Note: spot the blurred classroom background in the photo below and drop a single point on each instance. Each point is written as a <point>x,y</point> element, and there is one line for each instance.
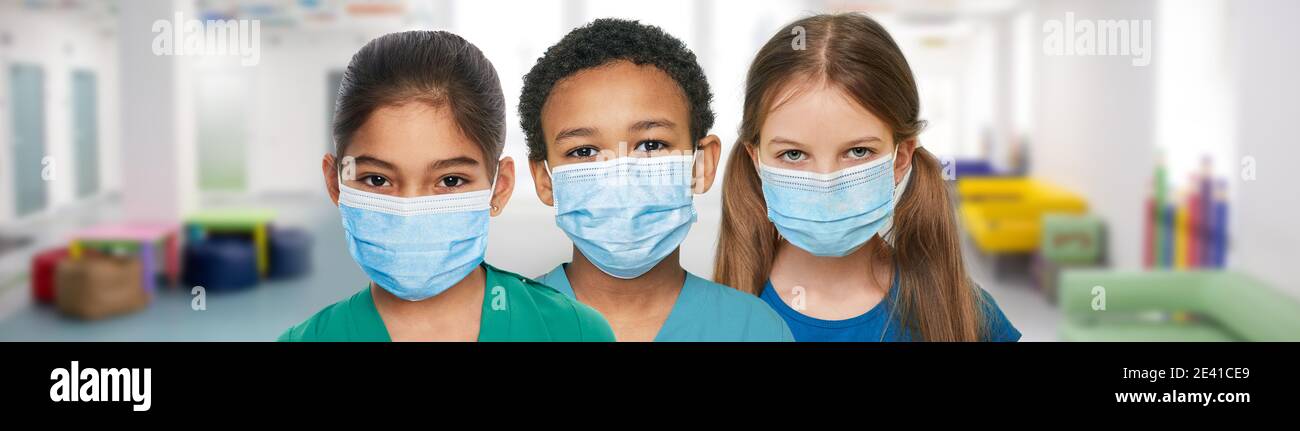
<point>1143,192</point>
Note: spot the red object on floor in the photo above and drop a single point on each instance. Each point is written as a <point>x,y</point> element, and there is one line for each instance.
<point>43,267</point>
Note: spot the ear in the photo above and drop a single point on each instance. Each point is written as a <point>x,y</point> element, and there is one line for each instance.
<point>752,151</point>
<point>330,170</point>
<point>505,185</point>
<point>542,181</point>
<point>904,160</point>
<point>705,171</point>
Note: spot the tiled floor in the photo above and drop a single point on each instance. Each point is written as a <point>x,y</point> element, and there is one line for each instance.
<point>1023,305</point>
<point>263,312</point>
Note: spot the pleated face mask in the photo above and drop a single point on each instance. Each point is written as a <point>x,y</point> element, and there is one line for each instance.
<point>831,214</point>
<point>625,215</point>
<point>415,247</point>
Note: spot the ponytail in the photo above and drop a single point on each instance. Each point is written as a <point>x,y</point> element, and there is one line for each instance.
<point>937,301</point>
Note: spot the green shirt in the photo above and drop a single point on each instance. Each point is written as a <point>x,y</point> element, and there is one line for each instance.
<point>515,308</point>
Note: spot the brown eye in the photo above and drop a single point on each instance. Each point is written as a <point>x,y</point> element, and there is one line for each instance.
<point>453,182</point>
<point>375,181</point>
<point>583,152</point>
<point>651,146</point>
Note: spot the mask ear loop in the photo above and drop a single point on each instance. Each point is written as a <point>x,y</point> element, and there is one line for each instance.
<point>551,175</point>
<point>492,186</point>
<point>695,158</point>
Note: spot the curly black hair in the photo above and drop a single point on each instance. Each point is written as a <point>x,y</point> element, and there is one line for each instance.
<point>603,41</point>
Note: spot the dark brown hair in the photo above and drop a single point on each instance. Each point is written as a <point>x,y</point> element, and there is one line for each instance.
<point>433,67</point>
<point>936,299</point>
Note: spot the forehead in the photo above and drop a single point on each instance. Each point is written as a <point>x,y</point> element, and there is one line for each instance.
<point>412,133</point>
<point>613,95</point>
<point>817,112</point>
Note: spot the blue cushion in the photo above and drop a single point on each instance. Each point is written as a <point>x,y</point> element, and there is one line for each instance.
<point>221,263</point>
<point>290,250</point>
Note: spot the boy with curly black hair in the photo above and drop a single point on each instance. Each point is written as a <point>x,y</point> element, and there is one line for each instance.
<point>617,117</point>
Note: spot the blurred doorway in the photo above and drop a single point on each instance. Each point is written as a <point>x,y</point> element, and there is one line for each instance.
<point>27,85</point>
<point>222,132</point>
<point>85,131</point>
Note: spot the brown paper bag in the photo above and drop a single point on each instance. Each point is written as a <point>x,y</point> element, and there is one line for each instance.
<point>96,286</point>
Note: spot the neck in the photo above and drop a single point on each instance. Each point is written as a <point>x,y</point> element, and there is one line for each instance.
<point>869,265</point>
<point>611,294</point>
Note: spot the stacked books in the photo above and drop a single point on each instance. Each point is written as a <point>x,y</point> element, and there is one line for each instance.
<point>1186,228</point>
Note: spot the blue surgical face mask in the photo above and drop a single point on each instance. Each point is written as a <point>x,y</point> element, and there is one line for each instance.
<point>415,247</point>
<point>831,214</point>
<point>625,215</point>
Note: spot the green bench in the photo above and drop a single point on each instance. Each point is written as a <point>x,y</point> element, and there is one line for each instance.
<point>1206,305</point>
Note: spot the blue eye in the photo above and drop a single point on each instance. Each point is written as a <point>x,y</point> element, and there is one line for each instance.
<point>582,152</point>
<point>792,155</point>
<point>859,152</point>
<point>651,146</point>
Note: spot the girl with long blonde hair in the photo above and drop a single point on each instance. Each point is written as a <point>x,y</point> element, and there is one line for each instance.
<point>832,211</point>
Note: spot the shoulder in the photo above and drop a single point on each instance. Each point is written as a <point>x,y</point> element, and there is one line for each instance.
<point>565,318</point>
<point>557,280</point>
<point>762,323</point>
<point>335,322</point>
<point>996,324</point>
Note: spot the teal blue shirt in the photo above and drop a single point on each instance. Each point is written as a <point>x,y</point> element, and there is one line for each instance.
<point>705,311</point>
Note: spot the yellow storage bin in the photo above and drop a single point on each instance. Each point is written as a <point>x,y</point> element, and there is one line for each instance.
<point>1004,214</point>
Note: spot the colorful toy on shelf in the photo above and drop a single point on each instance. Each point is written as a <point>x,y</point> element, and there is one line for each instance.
<point>1186,229</point>
<point>251,222</point>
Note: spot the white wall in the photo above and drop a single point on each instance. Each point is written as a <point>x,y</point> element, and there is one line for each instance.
<point>287,105</point>
<point>1193,89</point>
<point>1264,229</point>
<point>940,58</point>
<point>980,87</point>
<point>60,42</point>
<point>158,116</point>
<point>1094,126</point>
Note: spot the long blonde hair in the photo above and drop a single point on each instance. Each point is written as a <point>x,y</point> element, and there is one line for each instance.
<point>936,299</point>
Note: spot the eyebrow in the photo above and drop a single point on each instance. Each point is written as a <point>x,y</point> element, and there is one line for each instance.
<point>644,125</point>
<point>452,162</point>
<point>638,126</point>
<point>574,133</point>
<point>862,140</point>
<point>435,165</point>
<point>373,161</point>
<point>780,140</point>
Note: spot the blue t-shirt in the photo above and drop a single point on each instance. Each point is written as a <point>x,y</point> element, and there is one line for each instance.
<point>877,324</point>
<point>705,311</point>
